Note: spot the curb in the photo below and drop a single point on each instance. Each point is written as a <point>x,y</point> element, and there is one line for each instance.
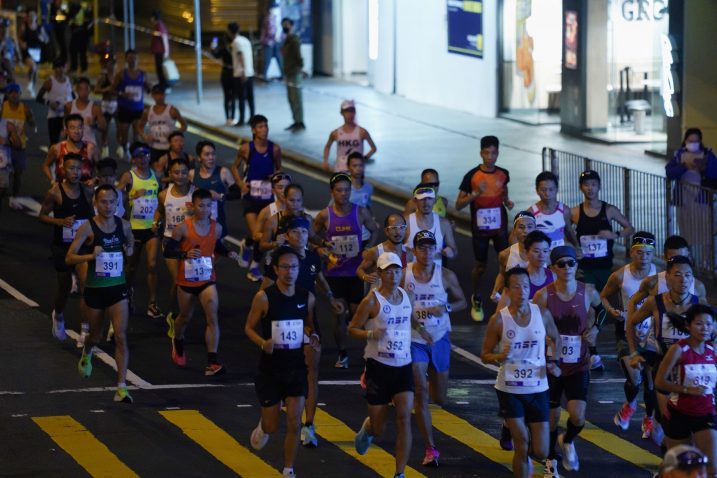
<point>462,219</point>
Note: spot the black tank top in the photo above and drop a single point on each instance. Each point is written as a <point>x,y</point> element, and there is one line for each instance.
<point>284,307</point>
<point>80,208</point>
<point>110,242</point>
<point>590,226</point>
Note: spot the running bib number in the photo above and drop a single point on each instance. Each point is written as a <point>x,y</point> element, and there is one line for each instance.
<point>396,344</point>
<point>670,334</point>
<point>642,329</point>
<point>422,315</point>
<point>570,348</point>
<point>521,374</point>
<point>68,233</point>
<point>109,264</point>
<point>260,189</point>
<point>159,132</point>
<point>175,216</point>
<point>133,92</point>
<point>199,269</point>
<point>593,246</point>
<point>35,54</point>
<point>109,106</point>
<point>144,207</point>
<point>346,246</point>
<point>703,374</point>
<point>488,219</point>
<point>556,243</point>
<point>287,334</point>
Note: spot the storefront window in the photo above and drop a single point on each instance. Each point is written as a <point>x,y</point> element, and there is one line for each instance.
<point>531,55</point>
<point>635,66</point>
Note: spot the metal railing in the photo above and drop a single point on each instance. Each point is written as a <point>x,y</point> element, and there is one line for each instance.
<point>650,202</point>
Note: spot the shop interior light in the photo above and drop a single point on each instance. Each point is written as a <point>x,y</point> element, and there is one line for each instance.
<point>373,29</point>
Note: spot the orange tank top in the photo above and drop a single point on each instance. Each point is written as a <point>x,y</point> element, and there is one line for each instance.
<point>197,272</point>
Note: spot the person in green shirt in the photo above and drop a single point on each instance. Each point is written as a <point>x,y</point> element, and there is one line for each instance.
<point>293,64</point>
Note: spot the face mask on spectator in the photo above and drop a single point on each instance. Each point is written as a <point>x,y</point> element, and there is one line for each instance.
<point>692,146</point>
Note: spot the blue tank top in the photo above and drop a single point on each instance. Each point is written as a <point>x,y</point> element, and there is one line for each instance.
<point>260,167</point>
<point>345,233</point>
<point>133,99</point>
<point>214,183</point>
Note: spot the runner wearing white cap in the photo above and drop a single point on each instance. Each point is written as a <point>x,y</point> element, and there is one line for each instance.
<point>349,138</point>
<point>426,219</point>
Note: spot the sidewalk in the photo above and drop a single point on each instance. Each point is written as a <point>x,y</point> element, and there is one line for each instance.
<point>410,136</point>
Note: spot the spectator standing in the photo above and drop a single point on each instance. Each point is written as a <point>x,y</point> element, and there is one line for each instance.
<point>293,64</point>
<point>221,51</point>
<point>32,38</point>
<point>243,65</point>
<point>694,165</point>
<point>159,47</point>
<point>269,41</point>
<point>58,20</point>
<point>80,16</point>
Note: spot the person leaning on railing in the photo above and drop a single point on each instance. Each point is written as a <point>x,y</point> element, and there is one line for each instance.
<point>693,162</point>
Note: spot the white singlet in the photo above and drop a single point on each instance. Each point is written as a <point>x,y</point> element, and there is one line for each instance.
<point>425,295</point>
<point>347,143</point>
<point>394,348</point>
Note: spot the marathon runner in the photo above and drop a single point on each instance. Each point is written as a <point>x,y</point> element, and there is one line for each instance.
<point>394,227</point>
<point>109,97</point>
<point>340,225</point>
<point>522,333</point>
<point>70,203</point>
<point>429,178</point>
<point>537,245</point>
<point>176,151</point>
<point>383,319</point>
<point>279,181</point>
<point>593,228</point>
<point>90,111</point>
<point>75,144</point>
<point>424,218</point>
<point>55,92</point>
<point>130,84</point>
<point>110,241</point>
<point>516,255</point>
<point>142,189</point>
<point>429,286</point>
<point>284,315</point>
<point>18,117</point>
<point>551,215</point>
<point>174,205</point>
<point>256,161</point>
<point>626,281</point>
<point>568,301</point>
<point>485,188</point>
<point>689,374</point>
<point>296,230</point>
<point>650,333</point>
<point>107,174</point>
<point>272,235</point>
<point>194,243</point>
<point>161,118</point>
<point>349,138</point>
<point>361,190</point>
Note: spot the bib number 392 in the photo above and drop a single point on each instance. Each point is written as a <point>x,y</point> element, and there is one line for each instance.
<point>522,374</point>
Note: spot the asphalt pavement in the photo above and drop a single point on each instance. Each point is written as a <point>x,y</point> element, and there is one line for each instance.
<point>183,424</point>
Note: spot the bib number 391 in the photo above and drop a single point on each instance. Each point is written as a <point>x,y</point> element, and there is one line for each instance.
<point>109,264</point>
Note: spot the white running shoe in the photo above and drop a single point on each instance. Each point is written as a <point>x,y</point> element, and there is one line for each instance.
<point>570,456</point>
<point>258,437</point>
<point>551,469</point>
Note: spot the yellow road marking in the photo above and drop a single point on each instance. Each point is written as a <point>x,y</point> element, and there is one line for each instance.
<point>83,447</point>
<point>616,445</point>
<point>475,438</point>
<point>341,436</point>
<point>219,444</point>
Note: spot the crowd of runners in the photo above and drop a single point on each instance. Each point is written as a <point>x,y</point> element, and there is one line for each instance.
<point>389,286</point>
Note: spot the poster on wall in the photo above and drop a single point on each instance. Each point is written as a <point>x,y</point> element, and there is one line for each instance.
<point>571,39</point>
<point>300,12</point>
<point>465,27</point>
<point>524,43</point>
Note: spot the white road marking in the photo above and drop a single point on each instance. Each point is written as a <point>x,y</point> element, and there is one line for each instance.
<point>17,295</point>
<point>474,358</point>
<point>244,405</point>
<point>97,411</point>
<point>462,403</point>
<point>8,392</point>
<point>18,415</point>
<point>172,408</point>
<point>100,354</point>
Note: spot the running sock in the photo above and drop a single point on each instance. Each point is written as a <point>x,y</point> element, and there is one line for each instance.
<point>593,350</point>
<point>631,392</point>
<point>287,470</point>
<point>650,401</point>
<point>572,432</point>
<point>553,440</point>
<point>179,346</point>
<point>212,357</point>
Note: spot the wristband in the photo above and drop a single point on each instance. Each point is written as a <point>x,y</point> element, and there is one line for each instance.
<point>262,344</point>
<point>369,335</point>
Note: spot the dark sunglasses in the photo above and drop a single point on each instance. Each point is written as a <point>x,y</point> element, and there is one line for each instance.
<point>645,241</point>
<point>688,459</point>
<point>280,177</point>
<point>568,263</point>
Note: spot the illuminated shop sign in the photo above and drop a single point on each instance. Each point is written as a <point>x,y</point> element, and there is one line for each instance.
<point>670,83</point>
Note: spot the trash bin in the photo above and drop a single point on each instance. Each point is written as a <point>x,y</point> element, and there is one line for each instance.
<point>638,110</point>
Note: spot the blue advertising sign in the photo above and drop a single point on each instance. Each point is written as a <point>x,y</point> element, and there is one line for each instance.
<point>465,27</point>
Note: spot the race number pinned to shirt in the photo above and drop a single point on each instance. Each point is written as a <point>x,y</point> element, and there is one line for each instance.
<point>669,333</point>
<point>488,219</point>
<point>700,375</point>
<point>346,246</point>
<point>522,373</point>
<point>260,189</point>
<point>570,348</point>
<point>287,334</point>
<point>423,316</point>
<point>133,92</point>
<point>144,207</point>
<point>593,246</point>
<point>198,269</point>
<point>68,233</point>
<point>109,264</point>
<point>395,343</point>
